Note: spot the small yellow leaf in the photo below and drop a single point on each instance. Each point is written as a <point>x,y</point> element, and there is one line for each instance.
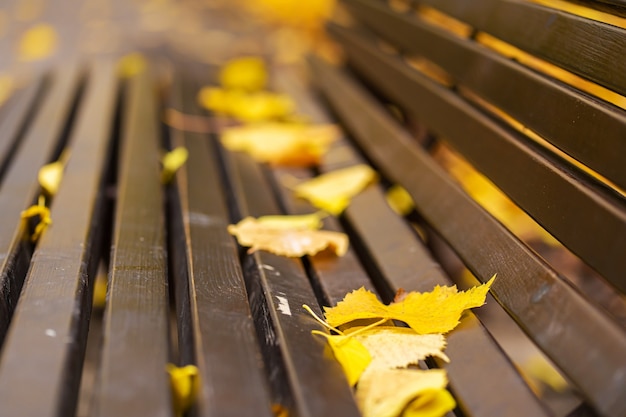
<point>100,291</point>
<point>246,73</point>
<point>350,353</point>
<point>50,177</point>
<point>398,347</point>
<point>333,191</point>
<point>438,311</point>
<point>38,42</point>
<point>389,392</point>
<point>400,200</point>
<point>172,161</point>
<point>39,210</point>
<point>248,107</point>
<point>184,385</point>
<point>131,64</point>
<point>281,144</point>
<point>285,241</point>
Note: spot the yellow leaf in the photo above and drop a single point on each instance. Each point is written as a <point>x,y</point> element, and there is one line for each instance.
<point>389,392</point>
<point>398,347</point>
<point>281,144</point>
<point>100,291</point>
<point>172,161</point>
<point>333,191</point>
<point>50,176</point>
<point>248,107</point>
<point>42,212</point>
<point>437,311</point>
<point>284,241</point>
<point>184,385</point>
<point>350,353</point>
<point>131,64</point>
<point>539,369</point>
<point>400,200</point>
<point>38,42</point>
<point>246,73</point>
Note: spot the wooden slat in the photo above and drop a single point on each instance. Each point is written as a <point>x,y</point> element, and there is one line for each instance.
<point>19,186</point>
<point>597,137</point>
<point>397,259</point>
<point>135,352</point>
<point>224,341</point>
<point>18,111</point>
<point>555,316</point>
<point>313,383</point>
<point>553,193</point>
<point>591,49</point>
<point>45,346</point>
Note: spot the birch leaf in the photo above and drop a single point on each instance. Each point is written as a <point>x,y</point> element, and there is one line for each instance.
<point>292,242</point>
<point>398,347</point>
<point>311,221</point>
<point>396,392</point>
<point>437,311</point>
<point>246,73</point>
<point>400,200</point>
<point>333,191</point>
<point>281,144</point>
<point>38,42</point>
<point>353,357</point>
<point>172,161</point>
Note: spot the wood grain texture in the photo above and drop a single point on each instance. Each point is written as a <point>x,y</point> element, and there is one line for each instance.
<point>45,347</point>
<point>19,186</point>
<point>396,259</point>
<point>585,128</point>
<point>133,380</point>
<point>556,317</point>
<point>591,49</point>
<point>556,195</point>
<point>225,345</point>
<point>278,287</point>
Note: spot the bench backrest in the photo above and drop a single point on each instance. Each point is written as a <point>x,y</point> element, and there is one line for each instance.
<point>547,127</point>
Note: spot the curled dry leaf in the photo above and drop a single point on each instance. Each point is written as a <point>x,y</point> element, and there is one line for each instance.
<point>404,392</point>
<point>40,211</point>
<point>281,240</point>
<point>248,107</point>
<point>333,191</point>
<point>281,143</point>
<point>437,311</point>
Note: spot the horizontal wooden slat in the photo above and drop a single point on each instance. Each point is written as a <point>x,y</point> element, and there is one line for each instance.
<point>223,337</point>
<point>45,346</point>
<point>554,194</point>
<point>591,49</point>
<point>132,378</point>
<point>313,381</point>
<point>590,131</point>
<point>19,186</point>
<point>555,316</point>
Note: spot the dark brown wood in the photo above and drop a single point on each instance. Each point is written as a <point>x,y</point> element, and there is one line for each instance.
<point>312,383</point>
<point>588,130</point>
<point>396,258</point>
<point>17,112</point>
<point>555,316</point>
<point>45,346</point>
<point>19,186</point>
<point>589,48</point>
<point>224,341</point>
<point>133,380</point>
<point>555,194</point>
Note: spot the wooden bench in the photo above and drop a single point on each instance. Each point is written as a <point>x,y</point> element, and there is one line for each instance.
<point>181,291</point>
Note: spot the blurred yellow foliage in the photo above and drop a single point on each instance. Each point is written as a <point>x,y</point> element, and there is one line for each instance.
<point>246,73</point>
<point>247,107</point>
<point>38,42</point>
